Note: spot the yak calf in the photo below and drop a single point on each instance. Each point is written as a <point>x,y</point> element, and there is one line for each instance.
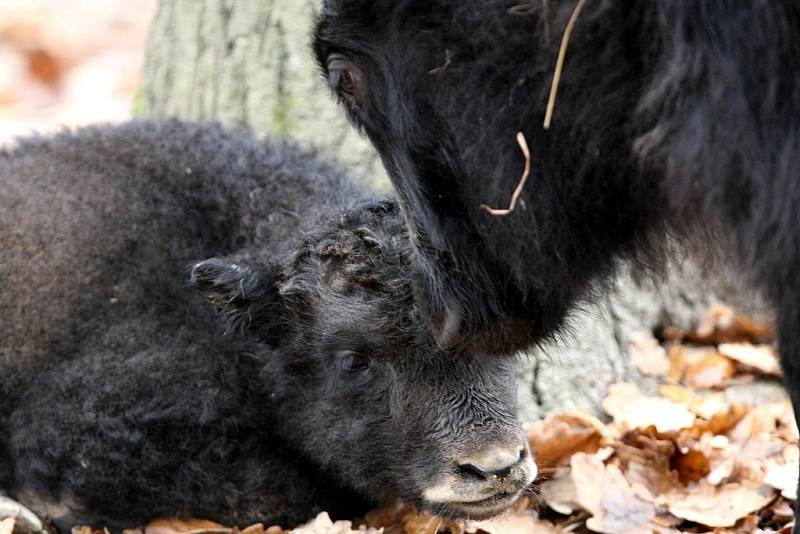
<point>310,384</point>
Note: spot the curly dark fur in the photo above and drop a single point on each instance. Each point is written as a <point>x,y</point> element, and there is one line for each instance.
<point>672,115</point>
<point>310,383</point>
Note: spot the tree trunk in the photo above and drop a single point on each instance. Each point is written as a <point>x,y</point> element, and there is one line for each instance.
<point>247,62</point>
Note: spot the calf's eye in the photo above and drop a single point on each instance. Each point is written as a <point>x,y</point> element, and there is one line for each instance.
<point>346,79</point>
<point>351,361</point>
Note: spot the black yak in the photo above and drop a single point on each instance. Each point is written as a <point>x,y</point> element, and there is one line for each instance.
<point>672,116</point>
<point>308,383</point>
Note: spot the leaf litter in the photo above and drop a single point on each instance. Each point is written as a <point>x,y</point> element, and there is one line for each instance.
<point>687,460</point>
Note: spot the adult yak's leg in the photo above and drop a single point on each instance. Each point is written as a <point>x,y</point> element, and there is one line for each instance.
<point>789,346</point>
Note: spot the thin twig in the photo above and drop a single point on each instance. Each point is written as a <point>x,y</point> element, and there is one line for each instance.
<point>447,60</point>
<point>562,52</point>
<point>523,145</point>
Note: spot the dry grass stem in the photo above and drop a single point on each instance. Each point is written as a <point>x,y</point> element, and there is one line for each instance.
<point>562,52</point>
<point>523,145</point>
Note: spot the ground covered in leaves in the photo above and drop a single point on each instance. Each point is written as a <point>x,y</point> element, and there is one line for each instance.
<point>688,459</point>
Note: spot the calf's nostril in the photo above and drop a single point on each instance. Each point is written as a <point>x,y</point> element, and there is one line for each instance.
<point>495,462</point>
<point>474,471</point>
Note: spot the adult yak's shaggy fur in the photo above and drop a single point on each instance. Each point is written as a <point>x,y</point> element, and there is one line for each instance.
<point>121,396</point>
<point>672,115</point>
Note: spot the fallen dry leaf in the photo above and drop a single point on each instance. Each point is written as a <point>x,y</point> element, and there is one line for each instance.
<point>322,524</point>
<point>559,493</point>
<point>706,406</point>
<point>647,354</point>
<point>760,357</point>
<point>718,317</point>
<point>646,461</point>
<point>721,324</point>
<point>722,472</point>
<point>710,371</point>
<point>516,524</point>
<point>692,466</point>
<point>676,364</point>
<point>257,528</point>
<point>588,474</point>
<point>386,516</point>
<point>603,491</point>
<point>684,357</point>
<point>558,437</point>
<point>746,525</point>
<point>621,510</point>
<point>717,506</point>
<point>421,523</point>
<point>175,525</point>
<point>783,475</point>
<point>630,410</point>
<point>781,508</point>
<point>761,419</point>
<point>787,426</point>
<point>44,66</point>
<point>718,423</point>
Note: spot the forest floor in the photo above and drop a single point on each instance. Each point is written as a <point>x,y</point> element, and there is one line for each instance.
<point>693,459</point>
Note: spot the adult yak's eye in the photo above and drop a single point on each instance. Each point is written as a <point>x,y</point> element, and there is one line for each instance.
<point>351,361</point>
<point>346,79</point>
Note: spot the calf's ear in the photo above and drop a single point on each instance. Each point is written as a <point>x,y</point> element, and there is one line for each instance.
<point>246,295</point>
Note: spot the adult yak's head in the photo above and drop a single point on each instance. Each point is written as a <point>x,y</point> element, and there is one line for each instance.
<point>441,88</point>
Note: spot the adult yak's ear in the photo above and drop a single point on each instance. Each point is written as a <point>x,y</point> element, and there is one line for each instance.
<point>246,295</point>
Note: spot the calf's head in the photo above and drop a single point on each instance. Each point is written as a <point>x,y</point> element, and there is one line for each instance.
<point>358,383</point>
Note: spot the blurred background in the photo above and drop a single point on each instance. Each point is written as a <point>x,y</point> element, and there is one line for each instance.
<point>69,62</point>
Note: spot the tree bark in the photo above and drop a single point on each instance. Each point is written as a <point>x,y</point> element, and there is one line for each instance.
<point>248,63</point>
<point>576,370</point>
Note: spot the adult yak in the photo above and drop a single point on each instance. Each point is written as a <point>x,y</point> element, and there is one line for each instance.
<point>672,116</point>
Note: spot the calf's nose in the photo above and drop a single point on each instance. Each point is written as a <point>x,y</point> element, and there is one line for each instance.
<point>497,460</point>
